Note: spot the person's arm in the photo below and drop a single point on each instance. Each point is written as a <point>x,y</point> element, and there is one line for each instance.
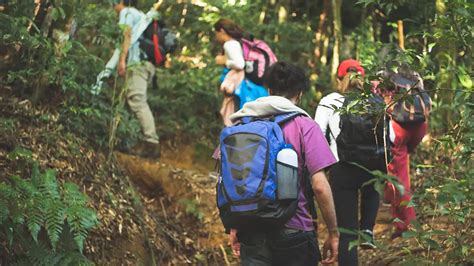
<point>323,195</point>
<point>234,54</point>
<point>122,66</point>
<point>323,112</point>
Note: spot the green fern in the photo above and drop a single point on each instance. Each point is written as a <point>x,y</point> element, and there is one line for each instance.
<point>29,205</point>
<point>80,218</point>
<point>34,221</point>
<point>49,186</point>
<point>3,211</point>
<point>36,175</point>
<point>54,214</point>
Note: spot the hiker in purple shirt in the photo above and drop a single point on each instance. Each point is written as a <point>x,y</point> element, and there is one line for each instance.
<point>296,243</point>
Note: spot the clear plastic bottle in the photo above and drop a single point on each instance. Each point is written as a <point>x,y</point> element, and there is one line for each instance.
<point>287,173</point>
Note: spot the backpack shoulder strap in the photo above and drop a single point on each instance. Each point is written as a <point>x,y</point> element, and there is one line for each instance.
<point>307,189</point>
<point>285,117</point>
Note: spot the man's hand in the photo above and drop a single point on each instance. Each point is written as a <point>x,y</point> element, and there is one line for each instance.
<point>122,68</point>
<point>234,243</point>
<point>323,194</point>
<point>221,59</point>
<point>331,246</point>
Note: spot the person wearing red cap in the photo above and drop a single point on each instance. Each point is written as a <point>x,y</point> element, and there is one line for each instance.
<point>347,66</point>
<point>347,179</point>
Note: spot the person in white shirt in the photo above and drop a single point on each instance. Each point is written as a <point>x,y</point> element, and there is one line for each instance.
<point>140,73</point>
<point>228,34</point>
<point>346,179</point>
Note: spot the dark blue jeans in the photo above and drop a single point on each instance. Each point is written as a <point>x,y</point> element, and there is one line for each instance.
<point>285,247</point>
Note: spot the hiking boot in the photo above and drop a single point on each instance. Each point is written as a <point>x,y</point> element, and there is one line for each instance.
<point>368,243</point>
<point>146,149</point>
<point>151,150</point>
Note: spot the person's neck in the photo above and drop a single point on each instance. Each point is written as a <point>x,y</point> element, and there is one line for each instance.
<point>294,100</point>
<point>228,38</point>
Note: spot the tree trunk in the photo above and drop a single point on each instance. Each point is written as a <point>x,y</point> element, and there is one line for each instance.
<point>401,35</point>
<point>321,35</point>
<point>337,34</point>
<point>445,56</point>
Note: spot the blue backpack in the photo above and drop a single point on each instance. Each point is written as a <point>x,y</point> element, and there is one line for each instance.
<point>247,185</point>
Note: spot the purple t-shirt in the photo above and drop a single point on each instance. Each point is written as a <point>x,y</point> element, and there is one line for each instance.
<point>304,133</point>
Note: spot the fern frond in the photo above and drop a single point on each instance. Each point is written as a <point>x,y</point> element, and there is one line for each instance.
<point>6,192</point>
<point>4,212</point>
<point>36,175</point>
<point>54,214</point>
<point>17,214</point>
<point>81,220</point>
<point>49,185</point>
<point>24,186</point>
<point>39,254</point>
<point>35,220</point>
<point>73,196</point>
<point>21,262</point>
<point>74,258</point>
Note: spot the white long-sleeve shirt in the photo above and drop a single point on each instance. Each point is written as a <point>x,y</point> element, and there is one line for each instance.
<point>235,55</point>
<point>328,119</point>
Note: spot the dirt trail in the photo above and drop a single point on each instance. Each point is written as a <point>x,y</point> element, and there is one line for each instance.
<point>186,197</point>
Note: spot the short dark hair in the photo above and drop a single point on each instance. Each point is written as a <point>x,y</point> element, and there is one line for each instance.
<point>285,79</point>
<point>133,3</point>
<point>230,27</point>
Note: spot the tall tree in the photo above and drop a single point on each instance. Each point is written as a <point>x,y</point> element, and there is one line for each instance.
<point>446,59</point>
<point>337,35</point>
<point>321,34</point>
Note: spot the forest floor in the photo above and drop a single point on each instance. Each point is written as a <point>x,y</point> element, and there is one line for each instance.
<point>197,189</point>
<point>151,212</point>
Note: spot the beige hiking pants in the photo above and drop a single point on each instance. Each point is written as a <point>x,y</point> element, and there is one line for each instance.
<point>139,78</point>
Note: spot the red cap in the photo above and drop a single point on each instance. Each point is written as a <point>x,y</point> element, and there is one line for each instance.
<point>349,65</point>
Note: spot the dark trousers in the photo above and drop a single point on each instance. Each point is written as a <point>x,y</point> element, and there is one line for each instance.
<point>286,247</point>
<point>346,181</point>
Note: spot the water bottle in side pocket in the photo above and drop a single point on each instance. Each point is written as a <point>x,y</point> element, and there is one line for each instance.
<point>287,173</point>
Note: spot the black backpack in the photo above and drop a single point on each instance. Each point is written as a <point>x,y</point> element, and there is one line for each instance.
<point>166,39</point>
<point>364,137</point>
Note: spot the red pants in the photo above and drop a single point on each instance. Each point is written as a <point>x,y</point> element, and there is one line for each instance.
<point>407,137</point>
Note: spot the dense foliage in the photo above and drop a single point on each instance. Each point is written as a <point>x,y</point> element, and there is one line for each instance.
<point>39,64</point>
<point>43,222</point>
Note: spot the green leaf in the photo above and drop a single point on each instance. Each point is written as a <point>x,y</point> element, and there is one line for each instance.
<point>34,222</point>
<point>20,153</point>
<point>399,187</point>
<point>430,47</point>
<point>3,211</point>
<point>54,217</point>
<point>433,244</point>
<point>36,175</point>
<point>352,244</point>
<point>409,234</point>
<point>347,231</point>
<point>465,80</point>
